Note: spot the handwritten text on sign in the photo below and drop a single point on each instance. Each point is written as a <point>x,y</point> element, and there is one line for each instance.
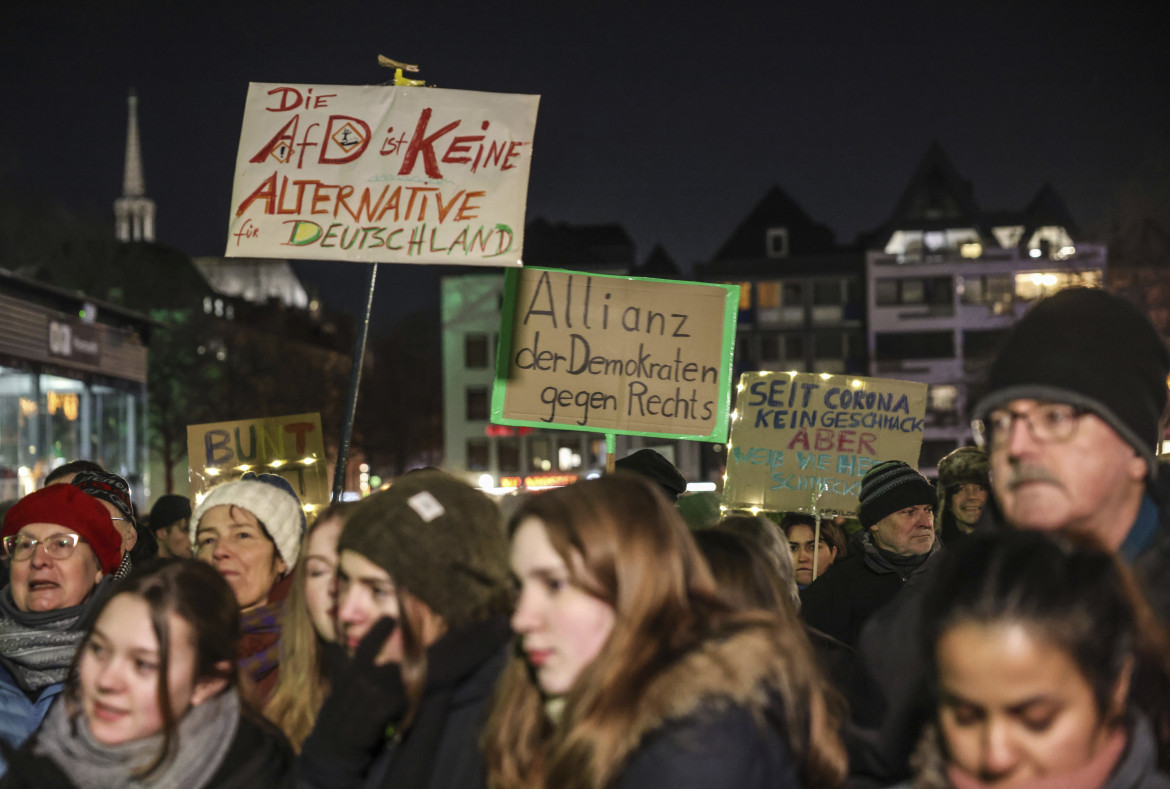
<point>617,354</point>
<point>290,446</point>
<point>382,174</point>
<point>796,433</point>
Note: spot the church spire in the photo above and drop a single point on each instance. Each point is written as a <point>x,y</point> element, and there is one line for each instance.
<point>134,211</point>
<point>133,184</point>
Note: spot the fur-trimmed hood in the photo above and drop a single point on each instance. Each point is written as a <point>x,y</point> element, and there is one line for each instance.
<point>746,668</point>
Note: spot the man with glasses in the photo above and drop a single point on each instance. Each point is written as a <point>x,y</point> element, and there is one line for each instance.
<point>1070,419</point>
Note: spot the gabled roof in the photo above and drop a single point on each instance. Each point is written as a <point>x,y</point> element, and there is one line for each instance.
<point>1047,209</point>
<point>775,210</point>
<point>936,198</point>
<point>561,245</point>
<point>658,264</point>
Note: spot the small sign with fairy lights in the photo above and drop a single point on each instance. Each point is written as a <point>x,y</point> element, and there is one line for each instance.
<point>805,440</point>
<point>291,446</point>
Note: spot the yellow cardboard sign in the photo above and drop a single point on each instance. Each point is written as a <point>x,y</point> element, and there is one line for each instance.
<point>800,436</point>
<point>291,446</point>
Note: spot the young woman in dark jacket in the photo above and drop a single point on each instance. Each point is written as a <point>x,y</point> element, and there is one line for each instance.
<point>422,607</point>
<point>153,699</point>
<point>630,670</point>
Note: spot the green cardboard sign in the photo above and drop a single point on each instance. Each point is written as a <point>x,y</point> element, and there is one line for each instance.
<point>615,354</point>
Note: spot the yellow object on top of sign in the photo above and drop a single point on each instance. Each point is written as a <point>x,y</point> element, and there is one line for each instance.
<point>796,437</point>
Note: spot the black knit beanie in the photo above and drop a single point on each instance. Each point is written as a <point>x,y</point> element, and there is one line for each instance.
<point>653,466</point>
<point>438,538</point>
<point>1092,350</point>
<point>889,487</point>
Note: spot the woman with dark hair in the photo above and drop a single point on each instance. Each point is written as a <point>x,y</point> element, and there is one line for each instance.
<point>631,671</point>
<point>1050,668</point>
<point>422,607</point>
<point>152,699</point>
<point>800,529</point>
<point>250,530</point>
<point>308,626</point>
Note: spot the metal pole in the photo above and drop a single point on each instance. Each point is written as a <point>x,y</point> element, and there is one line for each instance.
<point>359,353</point>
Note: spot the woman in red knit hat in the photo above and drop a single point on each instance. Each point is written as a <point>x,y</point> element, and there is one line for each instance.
<point>60,544</point>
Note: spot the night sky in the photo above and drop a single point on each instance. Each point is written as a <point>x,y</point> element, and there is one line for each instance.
<point>671,118</point>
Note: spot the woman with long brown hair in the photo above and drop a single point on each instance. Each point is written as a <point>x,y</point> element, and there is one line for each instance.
<point>308,627</point>
<point>630,671</point>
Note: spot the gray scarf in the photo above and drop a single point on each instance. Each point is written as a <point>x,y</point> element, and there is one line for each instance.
<point>37,647</point>
<point>202,741</point>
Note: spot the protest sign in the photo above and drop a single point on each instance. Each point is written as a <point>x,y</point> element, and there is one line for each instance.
<point>615,354</point>
<point>793,434</point>
<point>290,446</point>
<point>382,174</point>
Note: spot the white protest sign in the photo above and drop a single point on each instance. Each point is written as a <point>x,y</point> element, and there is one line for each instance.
<point>382,174</point>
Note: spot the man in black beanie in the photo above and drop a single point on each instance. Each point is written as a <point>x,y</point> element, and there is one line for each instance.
<point>897,512</point>
<point>1072,418</point>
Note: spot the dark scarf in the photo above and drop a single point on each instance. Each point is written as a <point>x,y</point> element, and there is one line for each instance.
<point>260,634</point>
<point>204,735</point>
<point>450,661</point>
<point>37,647</point>
<point>882,561</point>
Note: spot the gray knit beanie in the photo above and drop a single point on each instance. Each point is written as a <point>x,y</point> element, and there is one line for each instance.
<point>892,486</point>
<point>438,538</point>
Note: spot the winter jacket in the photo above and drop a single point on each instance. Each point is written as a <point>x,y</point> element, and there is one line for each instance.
<point>259,756</point>
<point>851,590</point>
<point>440,750</point>
<point>20,716</point>
<point>711,720</point>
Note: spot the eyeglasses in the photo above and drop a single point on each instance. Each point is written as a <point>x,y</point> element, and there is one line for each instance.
<point>1047,422</point>
<point>20,547</point>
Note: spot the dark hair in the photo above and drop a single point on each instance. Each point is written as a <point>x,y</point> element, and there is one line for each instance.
<point>831,533</point>
<point>72,467</point>
<point>196,593</point>
<point>745,576</point>
<point>1069,593</point>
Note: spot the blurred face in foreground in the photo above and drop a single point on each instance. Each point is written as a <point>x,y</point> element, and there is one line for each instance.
<point>800,542</point>
<point>119,673</point>
<point>1013,707</point>
<point>562,626</point>
<point>1053,467</point>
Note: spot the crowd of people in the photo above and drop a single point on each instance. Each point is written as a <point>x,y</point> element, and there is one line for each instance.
<point>1003,628</point>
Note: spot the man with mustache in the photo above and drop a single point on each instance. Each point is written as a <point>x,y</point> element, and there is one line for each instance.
<point>1070,419</point>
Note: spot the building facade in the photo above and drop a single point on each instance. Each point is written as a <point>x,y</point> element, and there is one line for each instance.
<point>945,280</point>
